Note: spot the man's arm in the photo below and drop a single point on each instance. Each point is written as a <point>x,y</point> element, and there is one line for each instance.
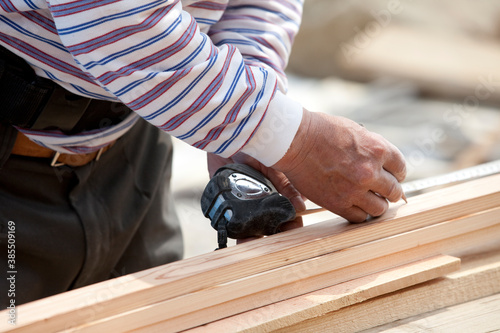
<point>153,57</point>
<point>209,96</point>
<point>263,31</point>
<point>337,164</point>
<point>332,161</point>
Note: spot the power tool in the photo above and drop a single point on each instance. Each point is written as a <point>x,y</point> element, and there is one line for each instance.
<point>240,202</point>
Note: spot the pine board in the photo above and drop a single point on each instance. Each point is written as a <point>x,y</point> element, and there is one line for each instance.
<point>245,294</point>
<point>343,294</point>
<point>478,316</point>
<point>296,310</point>
<point>479,277</point>
<point>181,278</point>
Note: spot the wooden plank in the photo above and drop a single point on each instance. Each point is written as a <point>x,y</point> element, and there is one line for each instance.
<point>479,277</point>
<point>478,316</point>
<point>458,66</point>
<point>292,280</point>
<point>148,287</point>
<point>341,295</point>
<point>292,311</point>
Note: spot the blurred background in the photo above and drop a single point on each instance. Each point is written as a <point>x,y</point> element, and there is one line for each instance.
<point>424,74</point>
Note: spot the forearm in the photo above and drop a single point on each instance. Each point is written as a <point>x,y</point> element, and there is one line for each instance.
<point>172,75</point>
<point>262,30</point>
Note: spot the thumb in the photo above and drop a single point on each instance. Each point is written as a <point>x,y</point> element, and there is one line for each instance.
<point>286,188</point>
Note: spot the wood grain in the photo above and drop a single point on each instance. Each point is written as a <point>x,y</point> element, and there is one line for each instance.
<point>179,279</point>
<point>290,312</point>
<point>478,316</point>
<point>477,278</point>
<point>284,282</point>
<point>338,296</point>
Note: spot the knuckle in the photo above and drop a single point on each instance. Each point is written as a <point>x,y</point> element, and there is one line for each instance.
<point>379,145</point>
<point>339,205</point>
<point>349,196</point>
<point>287,188</point>
<point>283,184</point>
<point>379,151</point>
<point>365,174</point>
<point>379,210</point>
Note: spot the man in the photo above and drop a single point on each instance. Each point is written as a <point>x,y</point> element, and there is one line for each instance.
<point>84,179</point>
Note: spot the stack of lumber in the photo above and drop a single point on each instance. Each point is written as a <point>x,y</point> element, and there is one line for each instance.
<point>328,275</point>
<point>439,63</point>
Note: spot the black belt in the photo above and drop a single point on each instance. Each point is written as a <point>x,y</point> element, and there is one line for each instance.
<point>33,102</point>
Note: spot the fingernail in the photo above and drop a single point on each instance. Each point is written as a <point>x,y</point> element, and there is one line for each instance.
<point>404,198</point>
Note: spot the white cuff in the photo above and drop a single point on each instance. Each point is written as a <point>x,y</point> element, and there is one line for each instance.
<point>276,131</point>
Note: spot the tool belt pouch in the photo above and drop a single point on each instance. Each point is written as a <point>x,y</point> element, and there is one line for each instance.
<point>22,93</point>
<point>32,102</point>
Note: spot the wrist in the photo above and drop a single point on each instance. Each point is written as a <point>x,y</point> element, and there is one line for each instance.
<point>276,132</point>
<point>299,146</point>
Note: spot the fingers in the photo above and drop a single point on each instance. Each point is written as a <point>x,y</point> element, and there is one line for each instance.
<point>373,204</point>
<point>395,163</point>
<point>286,188</point>
<point>354,214</point>
<point>214,162</point>
<point>388,186</point>
<point>370,204</point>
<point>393,171</point>
<point>278,179</point>
<point>297,223</point>
<point>245,240</point>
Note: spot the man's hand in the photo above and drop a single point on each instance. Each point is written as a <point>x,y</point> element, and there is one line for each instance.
<point>343,167</point>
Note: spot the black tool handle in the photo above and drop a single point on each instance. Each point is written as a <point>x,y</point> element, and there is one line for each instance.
<point>248,217</point>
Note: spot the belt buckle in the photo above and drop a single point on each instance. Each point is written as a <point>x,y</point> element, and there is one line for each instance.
<point>54,163</point>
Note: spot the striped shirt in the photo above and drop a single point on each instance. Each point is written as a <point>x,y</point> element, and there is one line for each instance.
<point>209,72</point>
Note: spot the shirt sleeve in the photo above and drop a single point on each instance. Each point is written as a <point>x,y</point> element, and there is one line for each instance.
<point>263,31</point>
<point>217,93</point>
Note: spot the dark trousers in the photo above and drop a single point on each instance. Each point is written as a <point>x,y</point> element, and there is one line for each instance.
<point>78,226</point>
